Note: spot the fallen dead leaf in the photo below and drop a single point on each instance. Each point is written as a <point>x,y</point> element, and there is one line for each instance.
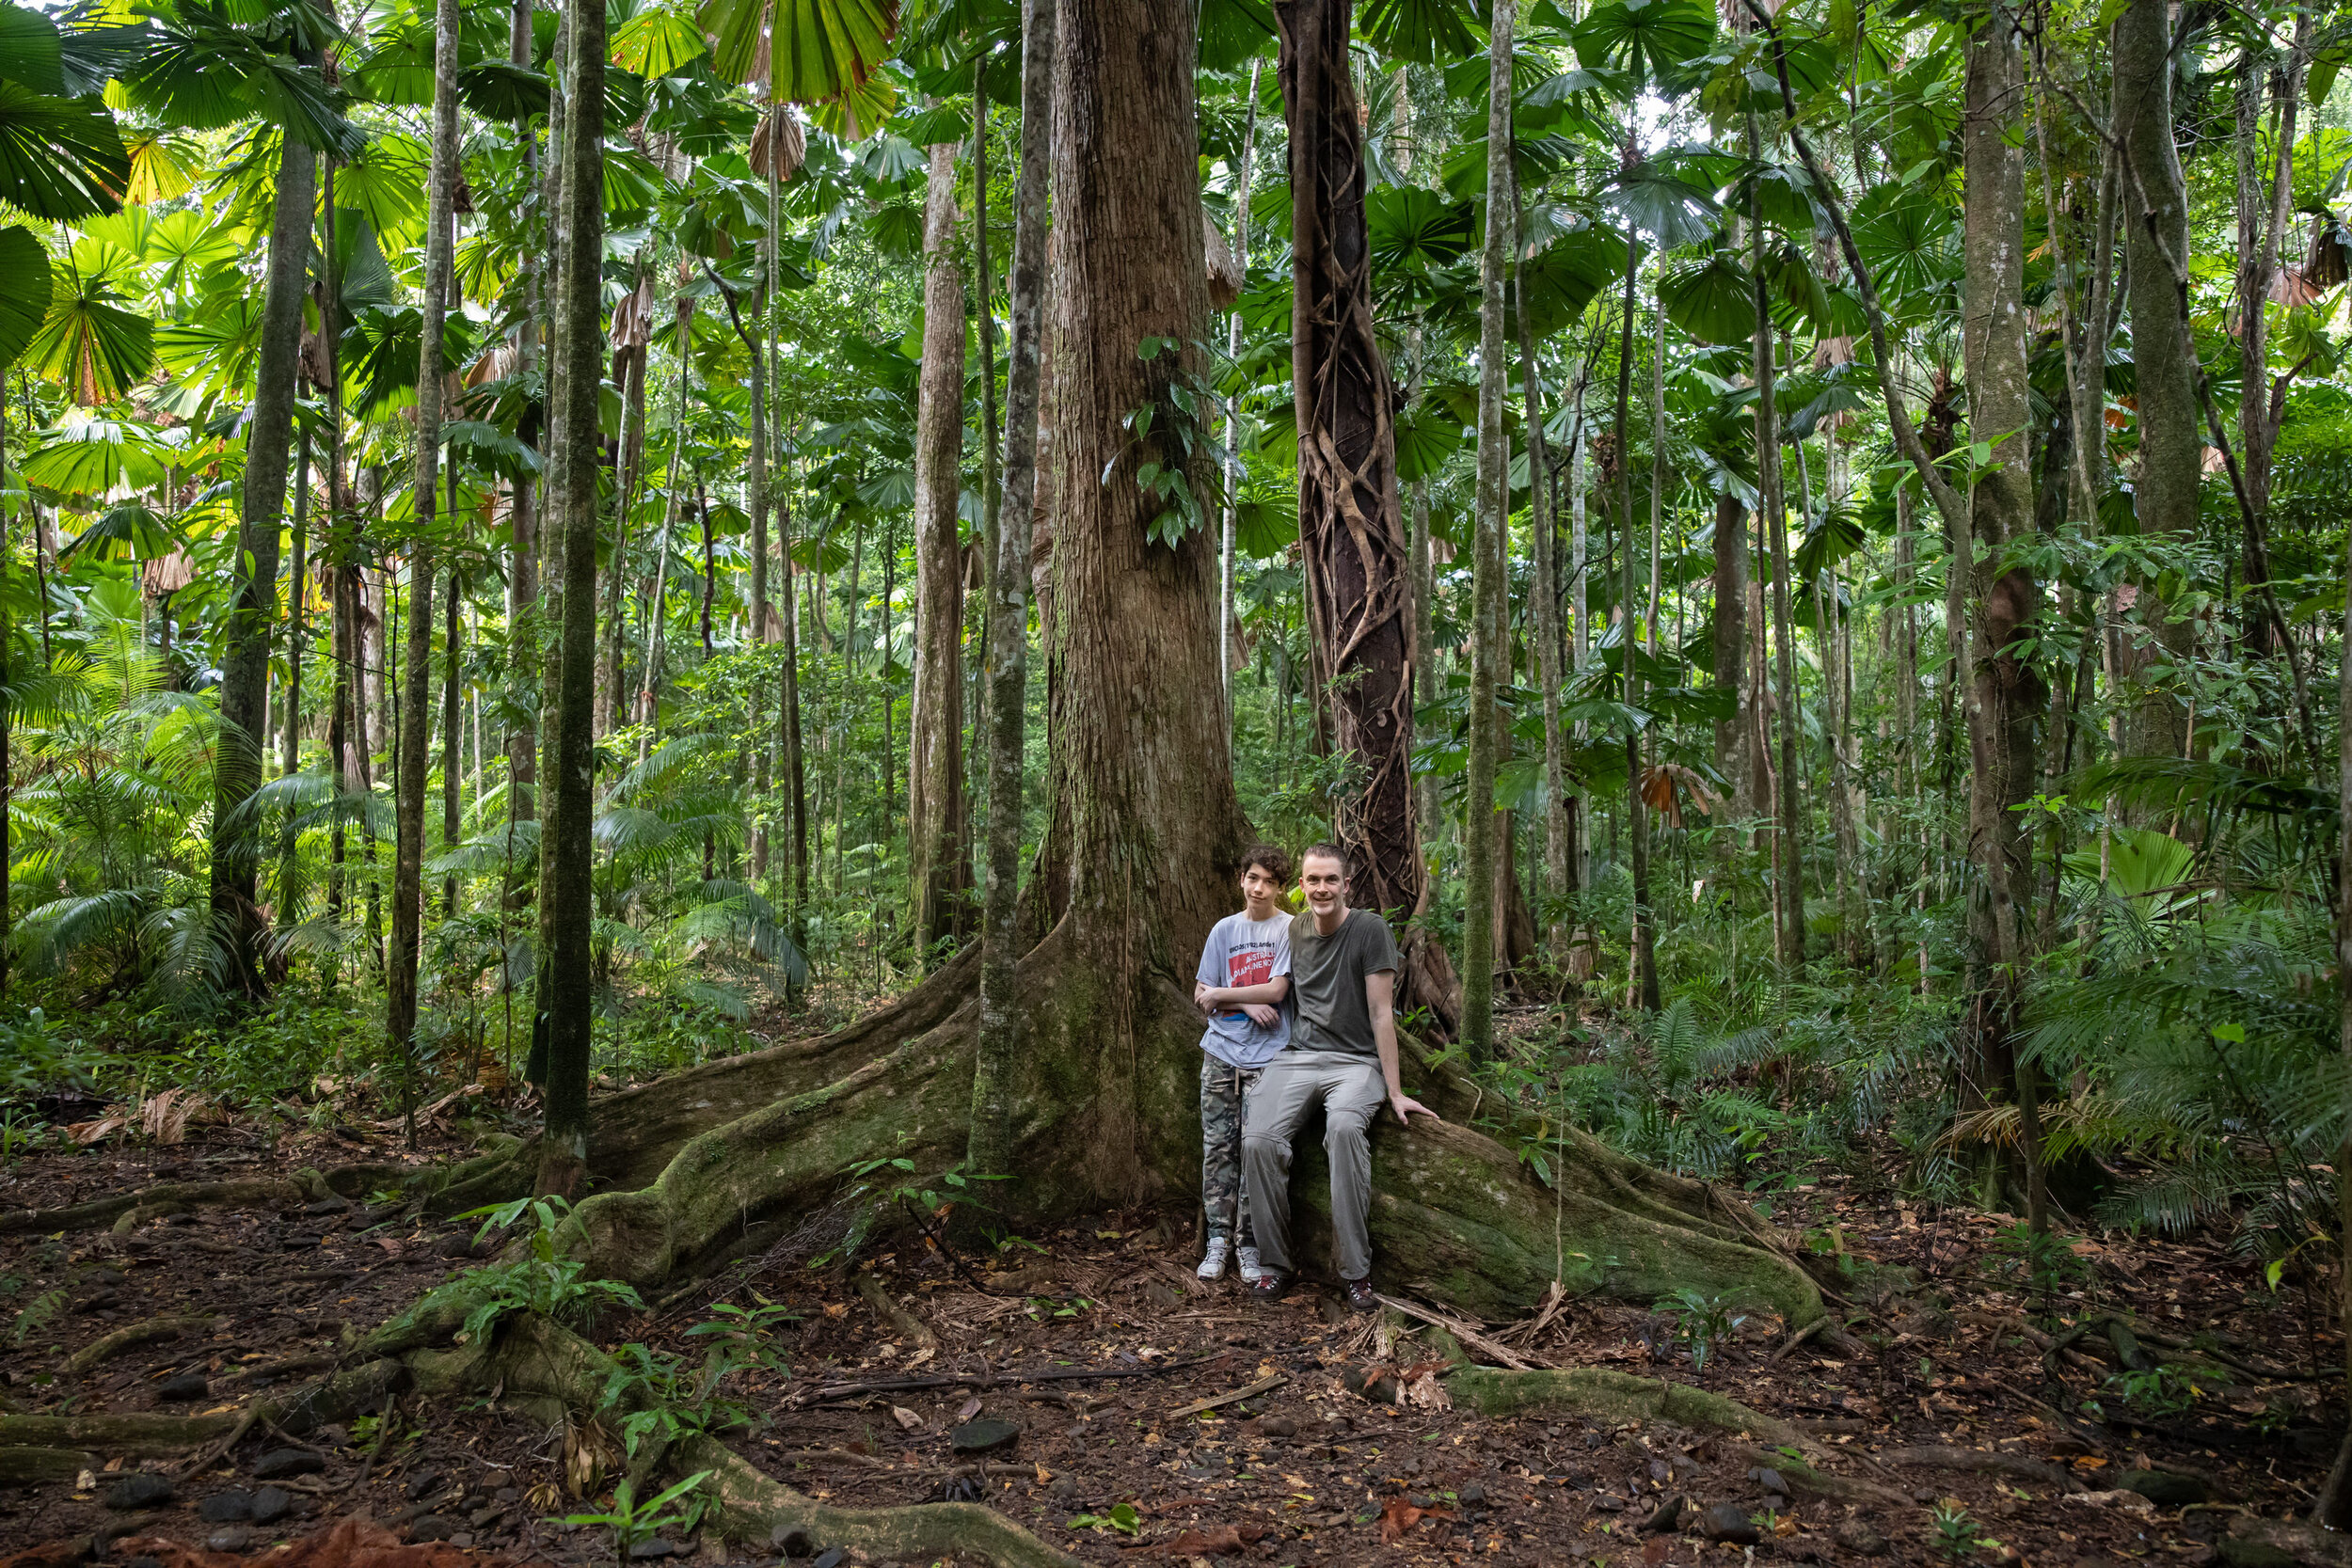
<point>968,1409</point>
<point>906,1417</point>
<point>1399,1516</point>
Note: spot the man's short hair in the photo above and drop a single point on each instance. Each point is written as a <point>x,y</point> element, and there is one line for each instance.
<point>1269,858</point>
<point>1320,850</point>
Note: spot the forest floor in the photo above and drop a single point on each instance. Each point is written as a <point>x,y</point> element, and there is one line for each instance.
<point>1936,1392</point>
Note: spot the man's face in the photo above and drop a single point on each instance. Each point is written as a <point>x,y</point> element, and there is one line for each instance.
<point>1258,888</point>
<point>1323,880</point>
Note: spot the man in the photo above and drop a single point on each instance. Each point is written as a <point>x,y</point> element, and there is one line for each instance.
<point>1243,983</point>
<point>1342,1058</point>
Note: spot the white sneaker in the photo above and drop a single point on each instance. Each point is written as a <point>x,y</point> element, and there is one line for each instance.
<point>1213,1264</point>
<point>1251,1270</point>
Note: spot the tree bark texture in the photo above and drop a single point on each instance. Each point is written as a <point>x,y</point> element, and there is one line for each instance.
<point>2005,693</point>
<point>1480,860</point>
<point>245,665</point>
<point>1350,520</point>
<point>1728,634</point>
<point>566,994</point>
<point>416,671</point>
<point>938,860</point>
<point>997,1036</point>
<point>2164,355</point>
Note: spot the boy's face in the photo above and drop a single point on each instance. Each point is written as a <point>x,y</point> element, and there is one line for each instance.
<point>1259,891</point>
<point>1322,878</point>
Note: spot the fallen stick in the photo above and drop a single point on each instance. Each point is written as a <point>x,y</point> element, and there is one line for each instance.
<point>1273,1380</point>
<point>106,1347</point>
<point>1799,1337</point>
<point>907,1323</point>
<point>1470,1337</point>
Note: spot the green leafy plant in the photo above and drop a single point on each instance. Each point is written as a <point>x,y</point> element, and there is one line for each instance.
<point>2158,1391</point>
<point>538,1281</point>
<point>38,1311</point>
<point>1955,1530</point>
<point>674,1399</point>
<point>631,1522</point>
<point>1700,1322</point>
<point>1123,1518</point>
<point>749,1332</point>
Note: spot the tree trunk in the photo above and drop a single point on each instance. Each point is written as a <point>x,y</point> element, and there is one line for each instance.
<point>566,994</point>
<point>1481,861</point>
<point>1788,888</point>
<point>1641,960</point>
<point>1106,1084</point>
<point>244,664</point>
<point>452,729</point>
<point>2263,217</point>
<point>2005,693</point>
<point>1728,634</point>
<point>408,776</point>
<point>1544,594</point>
<point>1350,523</point>
<point>1229,628</point>
<point>2164,357</point>
<point>938,860</point>
<point>2334,1506</point>
<point>997,1037</point>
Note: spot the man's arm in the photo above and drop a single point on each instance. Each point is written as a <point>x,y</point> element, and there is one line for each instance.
<point>1380,996</point>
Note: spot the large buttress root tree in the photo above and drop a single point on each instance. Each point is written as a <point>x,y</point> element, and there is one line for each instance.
<point>1148,834</point>
<point>1350,514</point>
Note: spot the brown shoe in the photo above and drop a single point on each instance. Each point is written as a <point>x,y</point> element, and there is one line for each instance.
<point>1360,1296</point>
<point>1271,1286</point>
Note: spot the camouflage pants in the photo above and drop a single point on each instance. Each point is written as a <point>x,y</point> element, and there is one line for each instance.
<point>1224,1089</point>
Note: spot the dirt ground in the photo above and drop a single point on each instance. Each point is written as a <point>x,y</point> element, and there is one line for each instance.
<point>1931,1386</point>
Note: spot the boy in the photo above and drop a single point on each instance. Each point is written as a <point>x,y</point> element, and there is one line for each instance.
<point>1244,985</point>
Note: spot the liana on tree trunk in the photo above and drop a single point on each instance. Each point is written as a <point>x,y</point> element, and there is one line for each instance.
<point>1359,574</point>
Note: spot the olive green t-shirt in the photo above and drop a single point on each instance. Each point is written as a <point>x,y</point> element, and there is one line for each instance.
<point>1327,981</point>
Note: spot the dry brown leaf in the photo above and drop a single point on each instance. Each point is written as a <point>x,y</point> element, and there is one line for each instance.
<point>1397,1517</point>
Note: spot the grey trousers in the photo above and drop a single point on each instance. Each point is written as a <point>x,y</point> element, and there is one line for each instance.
<point>1351,1093</point>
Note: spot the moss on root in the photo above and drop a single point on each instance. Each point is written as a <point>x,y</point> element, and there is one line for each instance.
<point>1600,1394</point>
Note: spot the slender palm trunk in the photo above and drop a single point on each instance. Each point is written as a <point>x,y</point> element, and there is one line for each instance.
<point>409,775</point>
<point>580,338</point>
<point>1481,860</point>
<point>245,665</point>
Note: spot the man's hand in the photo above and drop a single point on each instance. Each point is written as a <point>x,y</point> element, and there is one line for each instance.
<point>1261,1015</point>
<point>1203,997</point>
<point>1405,1105</point>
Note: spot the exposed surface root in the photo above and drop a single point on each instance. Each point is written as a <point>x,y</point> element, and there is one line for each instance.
<point>132,1435</point>
<point>555,1373</point>
<point>1599,1393</point>
<point>107,1347</point>
<point>1805,1480</point>
<point>1457,1215</point>
<point>1983,1462</point>
<point>749,1506</point>
<point>101,1211</point>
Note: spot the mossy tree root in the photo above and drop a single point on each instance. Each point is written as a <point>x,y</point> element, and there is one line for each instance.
<point>1601,1394</point>
<point>106,1347</point>
<point>306,1185</point>
<point>1457,1214</point>
<point>556,1374</point>
<point>132,1435</point>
